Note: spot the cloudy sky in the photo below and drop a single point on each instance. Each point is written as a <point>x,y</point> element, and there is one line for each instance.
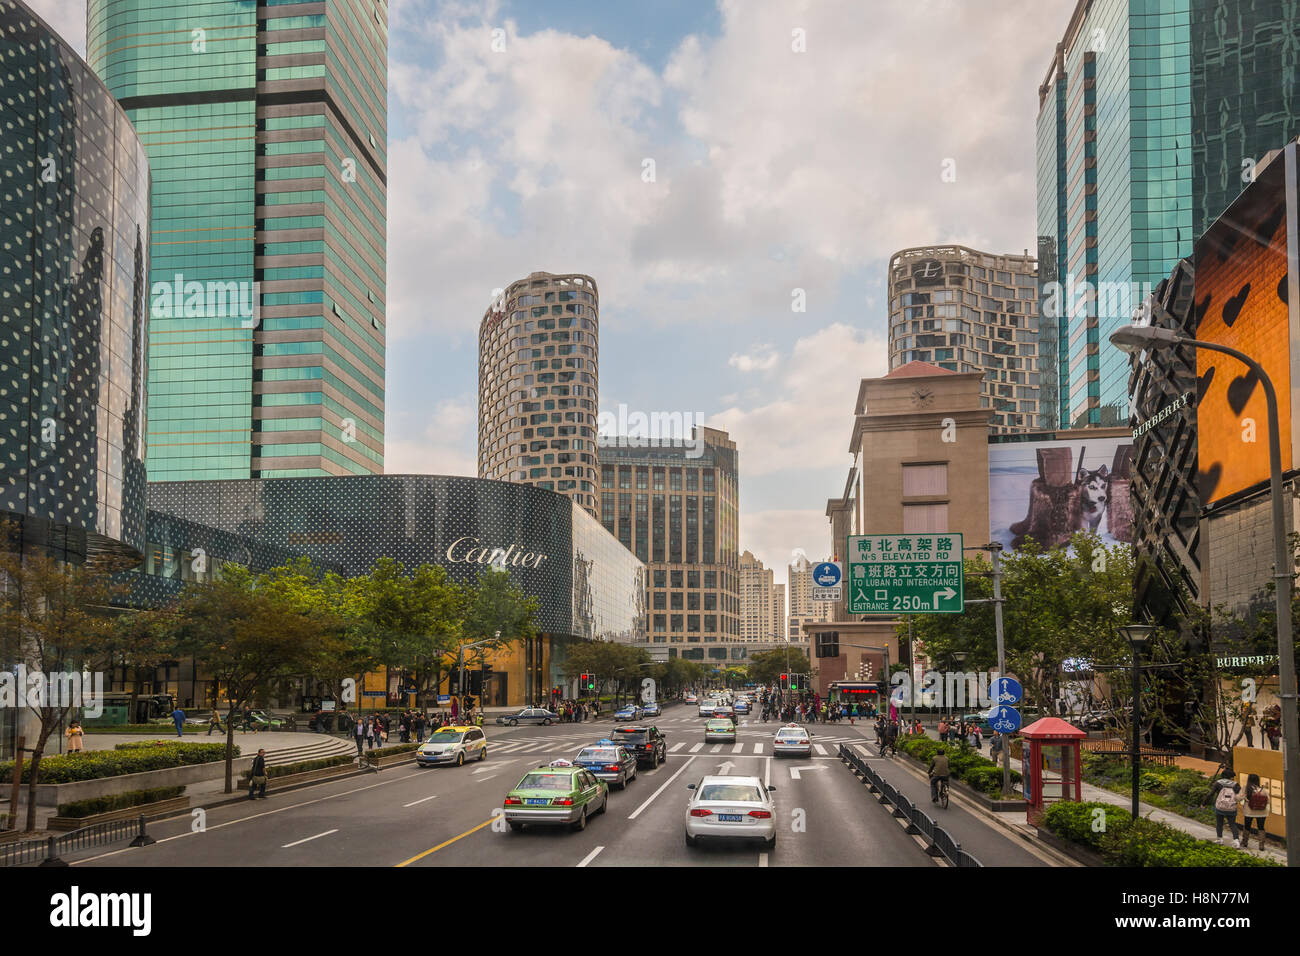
<point>795,144</point>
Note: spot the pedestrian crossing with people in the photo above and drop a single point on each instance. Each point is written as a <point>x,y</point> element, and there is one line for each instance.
<point>823,747</point>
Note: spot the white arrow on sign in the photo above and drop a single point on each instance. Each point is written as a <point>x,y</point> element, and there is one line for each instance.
<point>948,593</point>
<point>795,771</point>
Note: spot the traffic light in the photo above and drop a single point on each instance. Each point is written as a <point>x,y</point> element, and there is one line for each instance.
<point>587,681</point>
<point>785,681</point>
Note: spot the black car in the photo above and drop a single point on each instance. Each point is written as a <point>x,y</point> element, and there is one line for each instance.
<point>650,746</point>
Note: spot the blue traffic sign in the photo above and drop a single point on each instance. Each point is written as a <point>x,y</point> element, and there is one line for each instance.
<point>827,574</point>
<point>1005,720</point>
<point>444,698</point>
<point>1007,690</point>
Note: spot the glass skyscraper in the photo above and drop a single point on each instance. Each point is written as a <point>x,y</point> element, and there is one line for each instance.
<point>266,132</point>
<point>1142,104</point>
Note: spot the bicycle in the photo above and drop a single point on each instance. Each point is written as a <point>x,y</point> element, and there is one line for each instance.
<point>943,792</point>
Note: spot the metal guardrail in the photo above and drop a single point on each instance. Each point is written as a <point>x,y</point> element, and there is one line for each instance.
<point>97,834</point>
<point>919,822</point>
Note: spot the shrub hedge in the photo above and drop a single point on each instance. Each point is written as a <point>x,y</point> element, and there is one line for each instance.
<point>118,801</point>
<point>392,750</point>
<point>1185,792</point>
<point>303,766</point>
<point>1123,841</point>
<point>95,764</point>
<point>964,764</point>
<point>168,727</point>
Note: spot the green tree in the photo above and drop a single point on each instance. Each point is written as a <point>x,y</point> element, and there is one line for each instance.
<point>55,618</point>
<point>766,667</point>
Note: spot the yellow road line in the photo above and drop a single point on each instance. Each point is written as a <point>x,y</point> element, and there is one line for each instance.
<point>421,856</point>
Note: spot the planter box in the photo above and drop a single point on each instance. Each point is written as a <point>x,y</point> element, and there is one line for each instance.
<point>1073,850</point>
<point>293,778</point>
<point>393,760</point>
<point>151,811</point>
<point>52,794</point>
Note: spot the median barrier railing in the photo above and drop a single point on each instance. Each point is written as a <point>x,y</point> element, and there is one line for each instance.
<point>939,840</point>
<point>97,834</point>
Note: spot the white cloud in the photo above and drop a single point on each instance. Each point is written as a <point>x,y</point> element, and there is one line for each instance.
<point>67,17</point>
<point>442,442</point>
<point>803,415</point>
<point>759,358</point>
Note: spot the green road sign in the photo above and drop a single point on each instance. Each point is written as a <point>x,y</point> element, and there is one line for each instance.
<point>905,574</point>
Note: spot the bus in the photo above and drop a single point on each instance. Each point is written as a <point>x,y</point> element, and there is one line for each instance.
<point>850,692</point>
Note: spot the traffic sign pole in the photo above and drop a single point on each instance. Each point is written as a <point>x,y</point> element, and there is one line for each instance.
<point>995,551</point>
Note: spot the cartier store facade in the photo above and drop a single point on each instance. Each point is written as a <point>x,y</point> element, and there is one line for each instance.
<point>586,583</point>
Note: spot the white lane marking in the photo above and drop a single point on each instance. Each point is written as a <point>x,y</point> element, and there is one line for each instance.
<point>421,800</point>
<point>762,859</point>
<point>697,748</point>
<point>493,768</point>
<point>820,749</point>
<point>488,777</point>
<point>738,749</point>
<point>795,771</point>
<point>863,750</point>
<point>676,747</point>
<point>255,816</point>
<point>637,812</point>
<point>590,856</point>
<point>717,748</point>
<point>758,748</point>
<point>529,748</point>
<point>767,772</point>
<point>309,839</point>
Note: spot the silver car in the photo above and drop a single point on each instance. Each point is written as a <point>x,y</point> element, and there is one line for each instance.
<point>730,808</point>
<point>792,741</point>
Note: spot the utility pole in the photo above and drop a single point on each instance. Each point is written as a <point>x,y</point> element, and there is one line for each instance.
<point>995,553</point>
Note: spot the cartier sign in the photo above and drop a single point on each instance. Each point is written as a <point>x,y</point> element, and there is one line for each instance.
<point>472,551</point>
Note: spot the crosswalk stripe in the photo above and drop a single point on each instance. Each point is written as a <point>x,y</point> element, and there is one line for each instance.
<point>717,748</point>
<point>863,750</point>
<point>820,749</point>
<point>758,748</point>
<point>676,747</point>
<point>697,748</point>
<point>739,748</point>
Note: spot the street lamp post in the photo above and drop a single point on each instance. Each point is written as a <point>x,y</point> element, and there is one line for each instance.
<point>1138,635</point>
<point>1134,338</point>
<point>460,668</point>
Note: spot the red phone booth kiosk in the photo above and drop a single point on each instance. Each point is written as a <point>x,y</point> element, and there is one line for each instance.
<point>1050,765</point>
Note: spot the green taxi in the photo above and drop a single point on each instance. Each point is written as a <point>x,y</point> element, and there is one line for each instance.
<point>719,731</point>
<point>556,794</point>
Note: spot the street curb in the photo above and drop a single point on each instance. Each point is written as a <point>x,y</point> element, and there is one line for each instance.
<point>243,797</point>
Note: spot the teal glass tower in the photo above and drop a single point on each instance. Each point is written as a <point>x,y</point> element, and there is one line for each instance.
<point>1150,116</point>
<point>266,130</point>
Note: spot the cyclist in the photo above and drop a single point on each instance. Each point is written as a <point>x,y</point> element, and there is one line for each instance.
<point>938,771</point>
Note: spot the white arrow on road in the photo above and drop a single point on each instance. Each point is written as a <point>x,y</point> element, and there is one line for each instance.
<point>947,593</point>
<point>795,771</point>
<point>496,764</point>
<point>726,767</point>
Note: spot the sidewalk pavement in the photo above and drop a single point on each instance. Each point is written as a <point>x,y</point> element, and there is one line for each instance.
<point>1203,831</point>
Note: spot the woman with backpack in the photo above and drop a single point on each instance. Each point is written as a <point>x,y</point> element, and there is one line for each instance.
<point>1254,808</point>
<point>1226,794</point>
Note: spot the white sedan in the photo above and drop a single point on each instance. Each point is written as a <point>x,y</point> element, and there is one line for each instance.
<point>730,808</point>
<point>792,741</point>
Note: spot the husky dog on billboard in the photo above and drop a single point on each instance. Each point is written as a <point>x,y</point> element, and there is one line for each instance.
<point>1063,492</point>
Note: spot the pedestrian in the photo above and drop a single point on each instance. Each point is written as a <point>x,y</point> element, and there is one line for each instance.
<point>1254,809</point>
<point>943,730</point>
<point>75,734</point>
<point>995,746</point>
<point>214,723</point>
<point>976,737</point>
<point>257,776</point>
<point>420,724</point>
<point>404,727</point>
<point>359,732</point>
<point>853,713</point>
<point>1273,725</point>
<point>1226,794</point>
<point>1248,722</point>
<point>178,718</point>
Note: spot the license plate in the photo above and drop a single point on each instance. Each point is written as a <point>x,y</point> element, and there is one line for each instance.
<point>537,800</point>
<point>730,817</point>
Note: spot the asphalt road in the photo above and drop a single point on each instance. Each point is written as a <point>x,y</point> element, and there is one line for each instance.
<point>444,816</point>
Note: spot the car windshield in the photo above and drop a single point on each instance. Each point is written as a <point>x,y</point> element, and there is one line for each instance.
<point>446,737</point>
<point>546,781</point>
<point>598,753</point>
<point>632,736</point>
<point>731,791</point>
<point>719,725</point>
<point>792,733</point>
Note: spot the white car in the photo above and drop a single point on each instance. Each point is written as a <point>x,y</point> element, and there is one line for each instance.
<point>730,808</point>
<point>452,745</point>
<point>706,706</point>
<point>792,741</point>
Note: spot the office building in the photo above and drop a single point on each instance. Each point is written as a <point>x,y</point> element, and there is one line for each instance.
<point>756,599</point>
<point>1151,116</point>
<point>538,356</point>
<point>803,609</point>
<point>266,129</point>
<point>778,631</point>
<point>971,311</point>
<point>676,507</point>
